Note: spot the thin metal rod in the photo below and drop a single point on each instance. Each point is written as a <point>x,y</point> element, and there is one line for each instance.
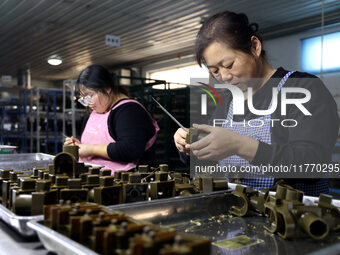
<point>169,114</point>
<point>322,35</point>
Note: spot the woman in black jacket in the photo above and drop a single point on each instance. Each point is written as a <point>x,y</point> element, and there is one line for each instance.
<point>233,52</point>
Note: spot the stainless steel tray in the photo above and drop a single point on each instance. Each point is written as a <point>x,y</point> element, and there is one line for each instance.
<point>203,214</point>
<point>53,241</point>
<point>207,215</point>
<point>18,162</point>
<point>19,223</point>
<point>62,245</point>
<point>24,161</point>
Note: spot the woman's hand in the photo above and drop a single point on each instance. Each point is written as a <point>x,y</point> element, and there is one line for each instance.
<point>89,150</point>
<point>71,141</point>
<point>179,138</point>
<point>85,150</point>
<point>221,143</point>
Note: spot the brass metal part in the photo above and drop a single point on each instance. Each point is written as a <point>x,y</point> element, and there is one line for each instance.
<point>105,172</point>
<point>125,177</point>
<point>288,216</point>
<point>207,184</point>
<point>161,176</point>
<point>243,193</point>
<point>143,168</point>
<point>330,213</point>
<point>194,135</point>
<point>94,170</point>
<point>6,187</point>
<point>108,232</point>
<point>133,192</point>
<point>68,179</point>
<point>135,178</point>
<point>74,192</point>
<point>184,189</point>
<point>107,193</point>
<point>164,168</point>
<point>162,189</point>
<point>65,163</point>
<point>4,175</point>
<point>26,186</point>
<point>73,150</point>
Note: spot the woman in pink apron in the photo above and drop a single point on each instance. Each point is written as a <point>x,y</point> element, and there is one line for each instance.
<point>120,132</point>
<point>232,50</point>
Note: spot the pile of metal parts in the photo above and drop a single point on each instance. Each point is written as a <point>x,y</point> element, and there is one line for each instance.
<point>289,217</point>
<point>26,192</point>
<point>112,232</point>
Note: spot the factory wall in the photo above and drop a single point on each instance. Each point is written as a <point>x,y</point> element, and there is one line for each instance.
<point>286,52</point>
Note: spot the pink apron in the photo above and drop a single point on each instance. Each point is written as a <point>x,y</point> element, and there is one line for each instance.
<point>96,132</point>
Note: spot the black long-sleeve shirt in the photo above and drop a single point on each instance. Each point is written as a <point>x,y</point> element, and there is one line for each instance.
<point>131,127</point>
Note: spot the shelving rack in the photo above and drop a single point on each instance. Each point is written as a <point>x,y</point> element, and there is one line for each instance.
<point>43,108</point>
<point>12,118</point>
<point>12,132</point>
<point>72,114</point>
<point>34,119</point>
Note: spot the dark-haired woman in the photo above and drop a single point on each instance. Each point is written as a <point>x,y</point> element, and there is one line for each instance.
<point>119,133</point>
<point>233,52</point>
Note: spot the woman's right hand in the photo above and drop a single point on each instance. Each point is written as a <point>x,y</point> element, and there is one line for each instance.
<point>71,141</point>
<point>179,138</point>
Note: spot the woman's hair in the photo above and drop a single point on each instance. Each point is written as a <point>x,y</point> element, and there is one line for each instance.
<point>229,28</point>
<point>98,78</point>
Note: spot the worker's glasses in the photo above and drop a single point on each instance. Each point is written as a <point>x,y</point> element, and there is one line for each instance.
<point>86,101</point>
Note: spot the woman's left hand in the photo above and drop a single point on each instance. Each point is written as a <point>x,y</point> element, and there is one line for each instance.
<point>88,150</point>
<point>221,143</point>
<point>85,150</point>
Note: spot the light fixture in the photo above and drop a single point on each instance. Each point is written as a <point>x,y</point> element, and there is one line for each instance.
<point>54,60</point>
<point>170,86</point>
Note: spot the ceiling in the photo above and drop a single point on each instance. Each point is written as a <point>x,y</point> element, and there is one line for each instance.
<point>33,30</point>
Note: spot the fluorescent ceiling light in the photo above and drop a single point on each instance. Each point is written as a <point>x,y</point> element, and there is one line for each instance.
<point>172,86</point>
<point>178,76</point>
<point>54,60</point>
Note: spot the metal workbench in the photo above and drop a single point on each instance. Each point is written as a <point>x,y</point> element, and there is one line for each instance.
<point>208,215</point>
<point>203,214</point>
<point>12,243</point>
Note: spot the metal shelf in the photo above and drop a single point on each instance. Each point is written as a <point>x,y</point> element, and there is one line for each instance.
<point>46,102</point>
<point>12,119</point>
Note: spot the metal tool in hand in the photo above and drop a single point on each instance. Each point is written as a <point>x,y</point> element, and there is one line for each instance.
<point>65,136</point>
<point>169,114</point>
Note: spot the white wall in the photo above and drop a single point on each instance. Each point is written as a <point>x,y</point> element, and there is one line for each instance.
<point>286,52</point>
<point>167,63</point>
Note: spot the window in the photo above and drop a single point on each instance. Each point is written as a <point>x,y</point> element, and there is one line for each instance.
<point>311,53</point>
<point>180,76</point>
